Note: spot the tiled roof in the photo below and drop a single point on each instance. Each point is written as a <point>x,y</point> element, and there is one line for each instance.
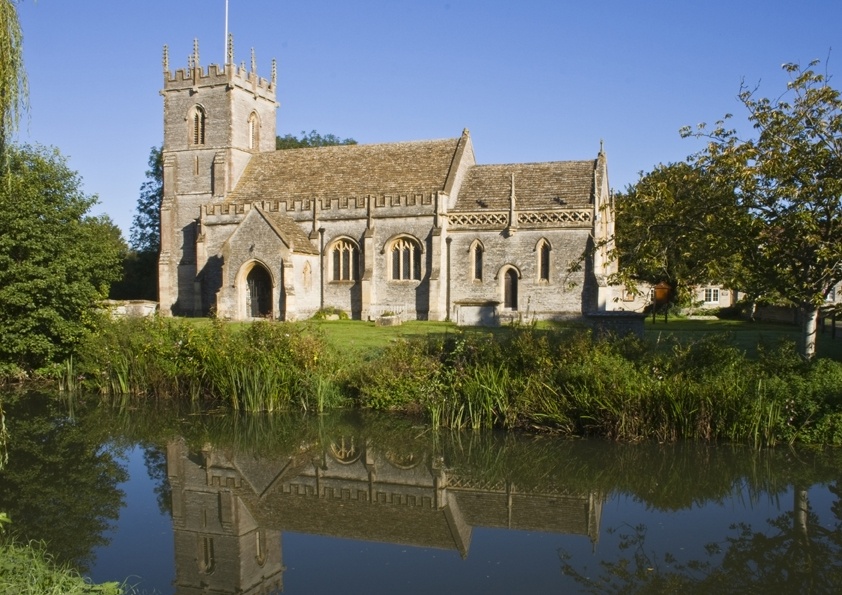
<point>552,185</point>
<point>346,171</point>
<point>290,232</point>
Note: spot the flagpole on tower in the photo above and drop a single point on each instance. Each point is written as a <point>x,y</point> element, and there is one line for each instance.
<point>225,45</point>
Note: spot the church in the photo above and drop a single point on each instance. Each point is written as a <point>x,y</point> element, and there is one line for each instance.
<point>416,230</point>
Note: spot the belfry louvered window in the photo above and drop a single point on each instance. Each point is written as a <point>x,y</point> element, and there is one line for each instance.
<point>197,125</point>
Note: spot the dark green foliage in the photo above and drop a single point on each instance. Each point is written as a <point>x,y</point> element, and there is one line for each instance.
<point>140,265</point>
<point>311,139</point>
<point>145,235</point>
<point>56,261</point>
<point>73,514</point>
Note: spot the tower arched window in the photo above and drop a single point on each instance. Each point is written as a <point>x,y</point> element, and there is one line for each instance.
<point>198,122</point>
<point>345,261</point>
<point>405,256</point>
<point>543,253</point>
<point>254,131</point>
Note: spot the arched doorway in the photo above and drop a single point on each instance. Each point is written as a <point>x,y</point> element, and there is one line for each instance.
<point>259,293</point>
<point>510,289</point>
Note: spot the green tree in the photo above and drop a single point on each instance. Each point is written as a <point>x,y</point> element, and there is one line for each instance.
<point>140,266</point>
<point>56,260</point>
<point>13,88</point>
<point>678,226</point>
<point>311,139</point>
<point>788,178</point>
<point>145,233</point>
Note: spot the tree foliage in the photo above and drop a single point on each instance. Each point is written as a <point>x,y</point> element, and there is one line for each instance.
<point>56,260</point>
<point>311,139</point>
<point>788,179</point>
<point>677,225</point>
<point>145,233</point>
<point>13,87</point>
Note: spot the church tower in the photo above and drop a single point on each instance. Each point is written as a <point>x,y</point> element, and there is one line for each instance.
<point>215,119</point>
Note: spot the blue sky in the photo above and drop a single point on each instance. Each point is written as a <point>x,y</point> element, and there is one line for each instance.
<point>533,80</point>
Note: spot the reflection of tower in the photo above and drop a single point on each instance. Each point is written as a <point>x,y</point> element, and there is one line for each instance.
<point>219,547</point>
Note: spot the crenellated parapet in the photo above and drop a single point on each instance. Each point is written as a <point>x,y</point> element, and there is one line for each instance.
<point>353,206</point>
<point>195,75</point>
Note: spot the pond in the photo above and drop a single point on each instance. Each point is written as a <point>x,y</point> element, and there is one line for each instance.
<point>184,501</point>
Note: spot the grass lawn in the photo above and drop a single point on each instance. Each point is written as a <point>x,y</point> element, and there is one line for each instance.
<point>365,338</point>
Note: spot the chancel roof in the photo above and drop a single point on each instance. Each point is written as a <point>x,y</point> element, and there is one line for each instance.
<point>537,186</point>
<point>347,171</point>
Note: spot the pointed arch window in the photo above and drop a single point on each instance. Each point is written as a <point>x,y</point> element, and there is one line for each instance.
<point>345,261</point>
<point>254,131</point>
<point>543,251</point>
<point>477,253</point>
<point>198,120</point>
<point>510,281</point>
<point>405,259</point>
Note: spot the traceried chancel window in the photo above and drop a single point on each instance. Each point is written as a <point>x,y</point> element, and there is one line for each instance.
<point>344,256</point>
<point>405,260</point>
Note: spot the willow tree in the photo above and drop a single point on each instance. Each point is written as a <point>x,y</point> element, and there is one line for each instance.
<point>787,177</point>
<point>13,89</point>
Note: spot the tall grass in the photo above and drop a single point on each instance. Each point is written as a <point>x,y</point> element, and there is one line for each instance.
<point>27,569</point>
<point>623,389</point>
<point>564,381</point>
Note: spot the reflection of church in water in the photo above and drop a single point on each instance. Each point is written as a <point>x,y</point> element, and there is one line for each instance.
<point>229,511</point>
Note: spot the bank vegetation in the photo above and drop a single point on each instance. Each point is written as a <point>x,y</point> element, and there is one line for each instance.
<point>566,381</point>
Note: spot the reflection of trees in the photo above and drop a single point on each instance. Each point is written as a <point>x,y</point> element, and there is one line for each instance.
<point>796,554</point>
<point>60,484</point>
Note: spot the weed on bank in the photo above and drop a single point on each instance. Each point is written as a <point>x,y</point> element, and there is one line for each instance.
<point>564,381</point>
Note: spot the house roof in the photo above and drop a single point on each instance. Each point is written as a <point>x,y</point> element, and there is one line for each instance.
<point>537,186</point>
<point>347,170</point>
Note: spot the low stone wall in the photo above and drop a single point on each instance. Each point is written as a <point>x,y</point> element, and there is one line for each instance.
<point>131,308</point>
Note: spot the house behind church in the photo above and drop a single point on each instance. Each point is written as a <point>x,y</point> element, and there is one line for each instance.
<point>414,228</point>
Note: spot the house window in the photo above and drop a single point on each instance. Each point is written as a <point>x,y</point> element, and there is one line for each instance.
<point>344,256</point>
<point>544,261</point>
<point>476,261</point>
<point>253,131</point>
<point>198,120</point>
<point>711,295</point>
<point>406,260</point>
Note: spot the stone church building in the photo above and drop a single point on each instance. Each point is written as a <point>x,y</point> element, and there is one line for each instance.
<point>417,229</point>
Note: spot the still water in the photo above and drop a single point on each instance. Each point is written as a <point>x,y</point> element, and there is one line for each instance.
<point>176,501</point>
